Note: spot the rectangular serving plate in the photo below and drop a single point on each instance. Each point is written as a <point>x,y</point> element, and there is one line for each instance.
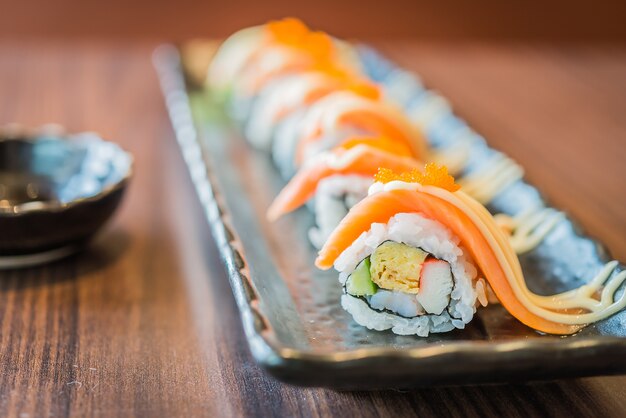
<point>290,311</point>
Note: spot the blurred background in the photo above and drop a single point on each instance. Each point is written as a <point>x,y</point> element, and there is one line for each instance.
<point>536,21</point>
<point>536,78</point>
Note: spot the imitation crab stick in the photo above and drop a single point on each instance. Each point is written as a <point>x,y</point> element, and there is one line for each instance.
<point>360,156</point>
<point>480,235</point>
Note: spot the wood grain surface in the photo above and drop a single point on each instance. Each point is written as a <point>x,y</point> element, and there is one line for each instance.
<point>143,322</point>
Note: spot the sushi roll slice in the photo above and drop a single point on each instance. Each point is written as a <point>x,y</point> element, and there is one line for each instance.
<point>231,57</point>
<point>337,180</point>
<point>299,91</point>
<point>341,115</point>
<point>252,58</point>
<point>417,254</point>
<point>334,181</point>
<point>276,102</point>
<point>289,55</point>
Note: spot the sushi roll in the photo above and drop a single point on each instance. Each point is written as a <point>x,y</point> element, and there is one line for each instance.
<point>337,180</point>
<point>231,57</point>
<point>290,131</point>
<point>341,115</point>
<point>290,54</point>
<point>417,255</point>
<point>277,101</point>
<point>299,91</point>
<point>253,58</point>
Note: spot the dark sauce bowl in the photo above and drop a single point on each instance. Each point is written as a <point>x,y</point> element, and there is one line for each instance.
<point>56,191</point>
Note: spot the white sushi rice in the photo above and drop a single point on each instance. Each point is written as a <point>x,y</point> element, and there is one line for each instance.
<point>287,134</point>
<point>325,115</point>
<point>243,98</point>
<point>283,93</point>
<point>329,140</point>
<point>232,56</point>
<point>334,196</point>
<point>418,231</point>
<point>260,126</point>
<point>285,143</point>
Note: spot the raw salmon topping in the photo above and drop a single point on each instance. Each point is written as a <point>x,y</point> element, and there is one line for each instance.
<point>433,175</point>
<point>348,79</point>
<point>365,89</point>
<point>292,32</point>
<point>382,143</point>
<point>289,30</point>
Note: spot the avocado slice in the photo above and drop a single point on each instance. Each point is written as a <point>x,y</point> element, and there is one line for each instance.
<point>360,283</point>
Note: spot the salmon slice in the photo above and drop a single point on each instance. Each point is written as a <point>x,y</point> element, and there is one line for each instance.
<point>360,158</point>
<point>369,116</point>
<point>312,95</point>
<point>380,207</point>
<point>357,86</point>
<point>290,47</point>
<point>328,82</point>
<point>380,142</point>
<point>256,75</point>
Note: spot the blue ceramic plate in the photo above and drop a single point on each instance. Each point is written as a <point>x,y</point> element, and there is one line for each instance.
<point>56,191</point>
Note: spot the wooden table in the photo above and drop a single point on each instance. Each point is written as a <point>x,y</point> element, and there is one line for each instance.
<point>144,323</point>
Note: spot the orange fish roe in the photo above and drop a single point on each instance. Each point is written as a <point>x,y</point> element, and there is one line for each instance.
<point>319,46</point>
<point>433,175</point>
<point>288,31</point>
<point>292,32</point>
<point>380,142</point>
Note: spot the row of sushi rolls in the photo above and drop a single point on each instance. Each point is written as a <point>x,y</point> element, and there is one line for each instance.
<point>416,251</point>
